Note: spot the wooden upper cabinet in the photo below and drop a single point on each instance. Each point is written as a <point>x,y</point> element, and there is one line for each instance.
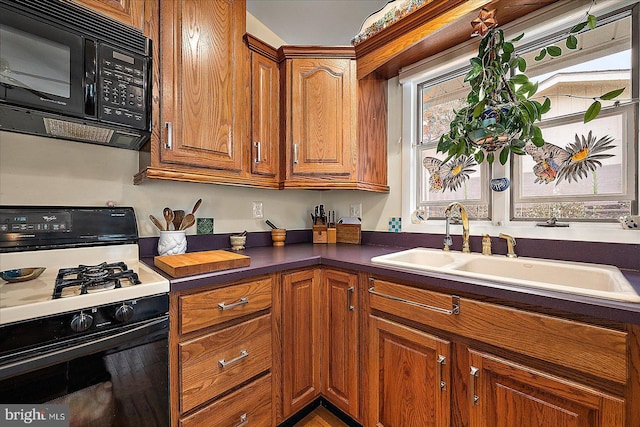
<point>502,393</point>
<point>265,108</point>
<point>332,127</point>
<point>130,12</point>
<point>201,82</point>
<point>321,138</point>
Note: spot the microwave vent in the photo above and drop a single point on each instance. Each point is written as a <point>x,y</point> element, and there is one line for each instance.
<point>64,129</point>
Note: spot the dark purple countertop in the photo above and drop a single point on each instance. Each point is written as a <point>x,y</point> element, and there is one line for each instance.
<point>268,259</point>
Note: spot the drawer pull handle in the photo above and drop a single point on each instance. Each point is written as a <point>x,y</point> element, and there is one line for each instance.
<point>295,154</point>
<point>242,301</point>
<point>442,360</point>
<point>244,420</point>
<point>455,302</point>
<point>223,363</point>
<point>350,290</point>
<point>475,373</point>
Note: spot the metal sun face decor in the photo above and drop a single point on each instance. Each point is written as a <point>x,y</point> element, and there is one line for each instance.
<point>448,176</point>
<point>571,163</point>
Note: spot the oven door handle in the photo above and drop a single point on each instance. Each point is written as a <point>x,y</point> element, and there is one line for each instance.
<point>91,346</point>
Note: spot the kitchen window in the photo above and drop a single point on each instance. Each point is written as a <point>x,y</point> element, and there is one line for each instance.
<point>607,190</point>
<point>606,57</point>
<point>439,184</point>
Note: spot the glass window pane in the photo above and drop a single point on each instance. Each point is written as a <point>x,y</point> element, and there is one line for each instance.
<point>574,182</point>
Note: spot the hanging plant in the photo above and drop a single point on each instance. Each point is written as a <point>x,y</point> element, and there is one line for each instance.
<point>500,117</point>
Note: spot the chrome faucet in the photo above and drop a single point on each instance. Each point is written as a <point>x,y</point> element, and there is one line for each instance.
<point>511,242</point>
<point>465,226</point>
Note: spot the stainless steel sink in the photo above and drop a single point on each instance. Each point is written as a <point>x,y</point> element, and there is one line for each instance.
<point>603,281</point>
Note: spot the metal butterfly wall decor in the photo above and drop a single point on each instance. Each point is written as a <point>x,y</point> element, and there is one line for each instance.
<point>572,163</point>
<point>448,176</point>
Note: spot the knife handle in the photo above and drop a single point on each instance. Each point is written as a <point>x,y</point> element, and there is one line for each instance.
<point>270,224</point>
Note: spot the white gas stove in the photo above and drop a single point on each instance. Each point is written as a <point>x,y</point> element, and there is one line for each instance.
<point>101,240</point>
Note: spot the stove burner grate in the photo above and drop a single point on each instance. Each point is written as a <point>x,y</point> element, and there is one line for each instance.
<point>92,278</point>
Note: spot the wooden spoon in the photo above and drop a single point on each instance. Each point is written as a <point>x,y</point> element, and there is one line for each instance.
<point>156,222</point>
<point>178,216</point>
<point>196,206</point>
<point>188,221</point>
<point>168,216</point>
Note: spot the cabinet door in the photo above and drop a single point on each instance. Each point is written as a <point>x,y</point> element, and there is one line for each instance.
<point>301,321</point>
<point>505,394</point>
<point>130,12</point>
<point>340,341</point>
<point>322,139</point>
<point>265,106</point>
<point>202,83</point>
<point>409,377</point>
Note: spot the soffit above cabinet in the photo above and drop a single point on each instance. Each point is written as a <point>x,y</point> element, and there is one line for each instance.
<point>433,28</point>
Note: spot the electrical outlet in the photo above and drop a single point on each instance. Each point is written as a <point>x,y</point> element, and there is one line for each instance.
<point>258,212</point>
<point>355,210</point>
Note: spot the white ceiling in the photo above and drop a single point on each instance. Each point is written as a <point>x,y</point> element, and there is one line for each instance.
<point>314,22</point>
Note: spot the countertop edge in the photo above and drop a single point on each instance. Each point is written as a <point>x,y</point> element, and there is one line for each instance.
<point>267,260</point>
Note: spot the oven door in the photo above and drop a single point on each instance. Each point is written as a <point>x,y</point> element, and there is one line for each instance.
<point>115,380</point>
<point>43,66</point>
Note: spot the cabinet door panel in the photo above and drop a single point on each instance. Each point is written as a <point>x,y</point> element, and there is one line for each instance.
<point>340,341</point>
<point>201,84</point>
<point>509,394</point>
<point>322,135</point>
<point>409,374</point>
<point>264,115</point>
<point>301,339</point>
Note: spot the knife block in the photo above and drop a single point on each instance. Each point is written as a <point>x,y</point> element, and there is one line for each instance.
<point>320,234</point>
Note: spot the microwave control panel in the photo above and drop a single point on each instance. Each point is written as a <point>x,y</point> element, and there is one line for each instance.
<point>122,87</point>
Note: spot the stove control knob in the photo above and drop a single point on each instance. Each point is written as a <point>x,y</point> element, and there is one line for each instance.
<point>124,313</point>
<point>81,322</point>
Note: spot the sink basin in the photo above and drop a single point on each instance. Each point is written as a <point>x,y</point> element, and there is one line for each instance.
<point>421,258</point>
<point>603,281</point>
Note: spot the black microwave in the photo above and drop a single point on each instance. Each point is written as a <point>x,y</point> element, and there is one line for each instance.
<point>68,72</point>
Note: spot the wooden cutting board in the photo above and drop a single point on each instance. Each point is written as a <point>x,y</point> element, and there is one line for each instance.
<point>200,262</point>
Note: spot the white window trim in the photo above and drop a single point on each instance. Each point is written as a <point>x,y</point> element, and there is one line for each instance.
<point>548,20</point>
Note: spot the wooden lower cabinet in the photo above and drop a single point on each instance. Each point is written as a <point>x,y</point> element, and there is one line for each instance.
<point>505,394</point>
<point>340,349</point>
<point>301,323</point>
<point>221,354</point>
<point>250,405</point>
<point>409,377</point>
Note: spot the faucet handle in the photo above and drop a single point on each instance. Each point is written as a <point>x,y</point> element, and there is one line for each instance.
<point>511,242</point>
<point>486,244</point>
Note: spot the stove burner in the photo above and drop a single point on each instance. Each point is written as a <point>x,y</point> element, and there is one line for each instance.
<point>92,278</point>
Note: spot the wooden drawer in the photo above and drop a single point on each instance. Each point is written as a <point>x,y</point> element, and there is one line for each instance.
<point>251,403</point>
<point>210,308</point>
<point>244,348</point>
<point>592,349</point>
